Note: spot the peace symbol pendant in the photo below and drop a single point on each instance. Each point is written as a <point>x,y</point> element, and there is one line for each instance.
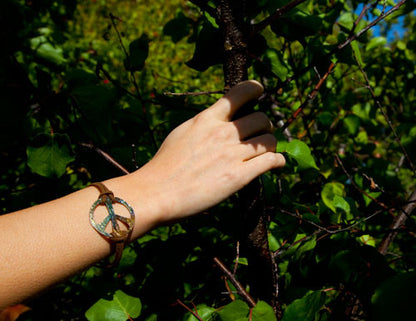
<point>117,233</point>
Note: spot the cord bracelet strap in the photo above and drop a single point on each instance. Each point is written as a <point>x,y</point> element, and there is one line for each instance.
<point>118,237</point>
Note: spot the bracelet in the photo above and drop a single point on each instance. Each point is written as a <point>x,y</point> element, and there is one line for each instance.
<point>117,237</point>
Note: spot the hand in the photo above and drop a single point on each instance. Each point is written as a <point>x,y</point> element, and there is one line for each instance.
<point>211,156</point>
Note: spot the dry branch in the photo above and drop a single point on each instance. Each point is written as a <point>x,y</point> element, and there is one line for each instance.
<point>235,282</point>
<point>106,156</point>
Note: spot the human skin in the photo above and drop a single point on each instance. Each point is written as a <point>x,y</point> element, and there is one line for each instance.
<point>201,163</point>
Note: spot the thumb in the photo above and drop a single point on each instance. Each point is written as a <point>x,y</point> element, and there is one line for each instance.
<point>240,94</point>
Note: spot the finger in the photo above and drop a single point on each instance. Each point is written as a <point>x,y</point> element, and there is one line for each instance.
<point>240,94</point>
<point>258,145</point>
<point>263,163</point>
<point>252,124</point>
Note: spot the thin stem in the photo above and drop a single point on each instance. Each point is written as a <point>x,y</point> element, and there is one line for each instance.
<point>134,81</point>
<point>234,281</point>
<point>341,46</point>
<point>200,93</point>
<point>310,97</point>
<point>386,117</point>
<point>106,156</point>
<point>333,231</point>
<point>370,25</point>
<point>351,179</point>
<point>196,315</point>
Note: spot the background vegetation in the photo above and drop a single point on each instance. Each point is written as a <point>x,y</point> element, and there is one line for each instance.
<point>90,89</point>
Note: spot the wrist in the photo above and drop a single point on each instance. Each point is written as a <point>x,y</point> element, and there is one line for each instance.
<point>134,189</point>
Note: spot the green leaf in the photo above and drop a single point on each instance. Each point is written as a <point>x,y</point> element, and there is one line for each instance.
<point>275,62</point>
<point>306,308</point>
<point>205,312</point>
<point>49,155</point>
<point>138,52</point>
<point>46,50</point>
<point>263,312</point>
<point>346,21</point>
<point>298,151</point>
<point>357,52</point>
<point>177,28</point>
<point>208,49</point>
<point>352,123</point>
<point>394,299</point>
<point>376,42</point>
<point>298,24</point>
<point>122,307</point>
<point>235,310</point>
<point>152,317</point>
<point>333,197</point>
<point>296,252</point>
<point>211,19</point>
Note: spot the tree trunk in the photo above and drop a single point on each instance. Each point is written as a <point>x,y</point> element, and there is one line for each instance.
<point>253,231</point>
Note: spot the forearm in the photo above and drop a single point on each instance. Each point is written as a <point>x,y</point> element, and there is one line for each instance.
<point>50,242</point>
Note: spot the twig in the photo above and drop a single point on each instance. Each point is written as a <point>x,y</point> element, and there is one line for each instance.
<point>386,117</point>
<point>106,156</point>
<point>280,251</point>
<point>196,315</point>
<point>237,257</point>
<point>341,164</point>
<point>366,7</point>
<point>230,292</point>
<point>234,281</point>
<point>276,15</point>
<point>134,81</point>
<point>333,231</point>
<point>310,97</point>
<point>370,25</point>
<point>398,222</point>
<point>340,46</point>
<point>99,68</point>
<point>194,93</point>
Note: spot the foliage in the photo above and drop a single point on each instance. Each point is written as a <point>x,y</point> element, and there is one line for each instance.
<point>81,79</point>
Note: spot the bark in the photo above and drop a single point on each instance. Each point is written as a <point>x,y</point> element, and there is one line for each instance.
<point>253,231</point>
